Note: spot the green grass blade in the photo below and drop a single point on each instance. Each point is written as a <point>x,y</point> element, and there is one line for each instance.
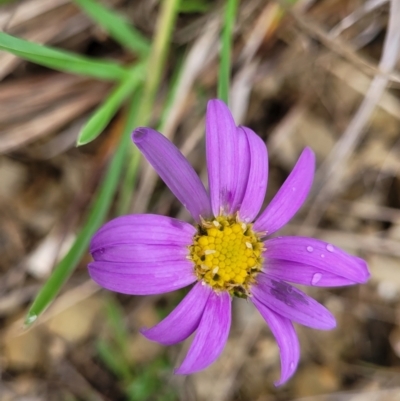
<point>156,66</point>
<point>157,59</point>
<point>61,60</point>
<point>96,216</point>
<point>194,6</point>
<point>225,58</point>
<point>103,115</point>
<point>172,91</point>
<point>116,26</point>
<point>114,360</point>
<point>129,181</point>
<point>115,317</point>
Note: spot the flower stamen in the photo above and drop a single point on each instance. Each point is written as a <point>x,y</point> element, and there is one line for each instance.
<point>227,254</point>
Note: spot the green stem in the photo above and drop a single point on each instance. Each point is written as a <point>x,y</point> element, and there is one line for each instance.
<point>95,218</point>
<point>158,55</point>
<point>125,196</point>
<point>156,66</point>
<point>225,58</point>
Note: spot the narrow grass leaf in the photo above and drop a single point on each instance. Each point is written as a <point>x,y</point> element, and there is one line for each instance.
<point>115,317</point>
<point>158,57</point>
<point>150,383</point>
<point>103,115</point>
<point>114,361</point>
<point>129,180</point>
<point>95,218</point>
<point>156,67</point>
<point>172,92</point>
<point>116,26</point>
<point>194,6</point>
<point>225,58</point>
<point>61,60</point>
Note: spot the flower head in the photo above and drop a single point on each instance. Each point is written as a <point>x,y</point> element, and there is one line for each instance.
<point>228,251</point>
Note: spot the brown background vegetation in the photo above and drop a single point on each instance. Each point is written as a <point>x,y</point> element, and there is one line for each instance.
<point>302,78</point>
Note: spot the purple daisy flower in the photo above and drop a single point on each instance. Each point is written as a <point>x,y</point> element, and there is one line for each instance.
<point>226,253</point>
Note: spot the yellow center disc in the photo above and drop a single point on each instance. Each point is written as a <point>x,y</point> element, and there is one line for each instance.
<point>227,254</point>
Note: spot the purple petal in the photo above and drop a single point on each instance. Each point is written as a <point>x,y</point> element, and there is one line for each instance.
<point>290,196</point>
<point>318,254</point>
<point>140,253</point>
<point>174,170</point>
<point>300,273</point>
<point>292,303</point>
<point>286,338</point>
<point>242,173</point>
<point>143,229</point>
<point>257,177</point>
<point>222,156</point>
<point>183,320</point>
<point>211,334</point>
<point>143,278</point>
<point>159,268</point>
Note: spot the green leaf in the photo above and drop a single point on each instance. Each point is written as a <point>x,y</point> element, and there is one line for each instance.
<point>116,26</point>
<point>102,116</point>
<point>114,361</point>
<point>225,59</point>
<point>95,218</point>
<point>150,383</point>
<point>175,81</point>
<point>115,317</point>
<point>61,60</point>
<point>158,57</point>
<point>194,6</point>
<point>128,181</point>
<point>156,66</point>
